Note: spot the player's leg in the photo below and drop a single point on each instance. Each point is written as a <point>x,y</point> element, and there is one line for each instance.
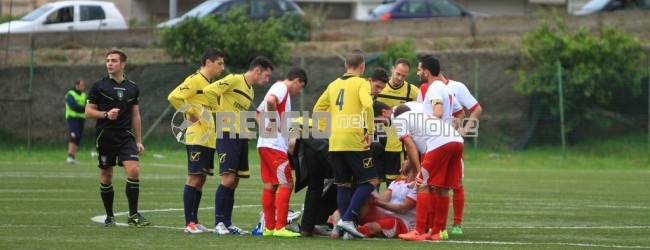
<point>366,178</point>
<point>199,162</point>
<point>76,128</point>
<point>269,191</point>
<point>459,204</point>
<point>448,172</point>
<point>107,160</point>
<point>233,165</point>
<point>283,178</point>
<point>128,158</point>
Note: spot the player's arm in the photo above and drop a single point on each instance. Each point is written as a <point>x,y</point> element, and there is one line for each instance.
<point>215,90</point>
<point>137,127</point>
<point>474,115</point>
<point>180,95</point>
<point>73,104</point>
<point>366,106</point>
<point>412,153</point>
<point>407,205</point>
<point>322,105</point>
<point>458,114</point>
<point>437,107</point>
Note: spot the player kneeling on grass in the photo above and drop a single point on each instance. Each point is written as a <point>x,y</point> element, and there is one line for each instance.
<point>393,212</point>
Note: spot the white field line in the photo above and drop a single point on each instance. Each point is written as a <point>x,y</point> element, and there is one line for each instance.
<point>100,219</point>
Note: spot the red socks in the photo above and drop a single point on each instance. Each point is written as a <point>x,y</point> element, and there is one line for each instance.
<point>421,211</point>
<point>459,204</point>
<point>282,206</point>
<point>268,206</point>
<point>442,210</point>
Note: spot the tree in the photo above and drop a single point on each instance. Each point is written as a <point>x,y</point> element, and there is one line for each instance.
<point>594,66</point>
<point>241,38</point>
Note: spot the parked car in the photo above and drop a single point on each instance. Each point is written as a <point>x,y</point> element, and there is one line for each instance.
<point>594,6</point>
<point>68,16</point>
<point>409,9</point>
<point>255,9</point>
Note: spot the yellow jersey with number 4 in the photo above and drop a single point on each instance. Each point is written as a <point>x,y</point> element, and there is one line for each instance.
<point>349,102</point>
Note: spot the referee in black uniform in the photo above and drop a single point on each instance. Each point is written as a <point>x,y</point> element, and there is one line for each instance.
<point>113,101</point>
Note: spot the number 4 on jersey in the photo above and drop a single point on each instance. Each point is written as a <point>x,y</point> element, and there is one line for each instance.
<point>339,99</point>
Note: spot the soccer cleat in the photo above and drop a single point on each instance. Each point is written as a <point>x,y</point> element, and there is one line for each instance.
<point>413,235</point>
<point>221,229</point>
<point>456,230</point>
<point>192,229</point>
<point>284,232</point>
<point>137,220</point>
<point>323,230</point>
<point>347,236</point>
<point>335,233</point>
<point>350,227</point>
<point>442,235</point>
<point>293,216</point>
<point>109,221</point>
<point>236,230</point>
<point>71,160</point>
<point>294,226</point>
<point>201,227</point>
<point>268,232</point>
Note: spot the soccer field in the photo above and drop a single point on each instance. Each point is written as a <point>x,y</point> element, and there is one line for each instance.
<point>536,199</point>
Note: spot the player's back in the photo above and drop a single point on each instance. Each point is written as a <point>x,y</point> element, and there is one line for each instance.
<point>462,94</point>
<point>348,100</point>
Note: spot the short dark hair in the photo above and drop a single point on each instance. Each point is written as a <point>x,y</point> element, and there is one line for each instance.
<point>78,81</point>
<point>401,109</point>
<point>212,54</point>
<point>380,74</point>
<point>431,63</point>
<point>119,52</point>
<point>402,61</point>
<point>378,106</point>
<point>262,62</point>
<point>297,72</point>
<point>355,58</point>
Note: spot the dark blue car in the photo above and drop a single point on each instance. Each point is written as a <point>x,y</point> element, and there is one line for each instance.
<point>410,9</point>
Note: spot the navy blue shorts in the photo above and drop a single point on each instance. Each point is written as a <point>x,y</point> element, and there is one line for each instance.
<point>115,146</point>
<point>392,162</point>
<point>76,127</point>
<point>349,164</point>
<point>200,160</point>
<point>233,155</point>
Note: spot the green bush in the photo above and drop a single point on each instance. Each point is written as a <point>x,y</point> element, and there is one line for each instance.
<point>404,49</point>
<point>296,28</point>
<point>240,38</point>
<point>594,68</point>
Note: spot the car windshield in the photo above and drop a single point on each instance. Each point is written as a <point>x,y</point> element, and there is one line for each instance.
<point>203,9</point>
<point>595,4</point>
<point>31,16</point>
<point>381,9</point>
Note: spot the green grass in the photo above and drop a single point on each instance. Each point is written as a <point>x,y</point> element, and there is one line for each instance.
<point>595,195</point>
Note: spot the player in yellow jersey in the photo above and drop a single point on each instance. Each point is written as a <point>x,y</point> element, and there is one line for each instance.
<point>348,100</point>
<point>230,96</point>
<point>200,138</point>
<point>397,91</point>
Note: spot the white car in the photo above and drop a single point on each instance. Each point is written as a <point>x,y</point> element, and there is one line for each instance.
<point>68,16</point>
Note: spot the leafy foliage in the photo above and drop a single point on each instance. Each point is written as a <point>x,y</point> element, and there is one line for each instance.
<point>594,68</point>
<point>239,37</point>
<point>404,49</point>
